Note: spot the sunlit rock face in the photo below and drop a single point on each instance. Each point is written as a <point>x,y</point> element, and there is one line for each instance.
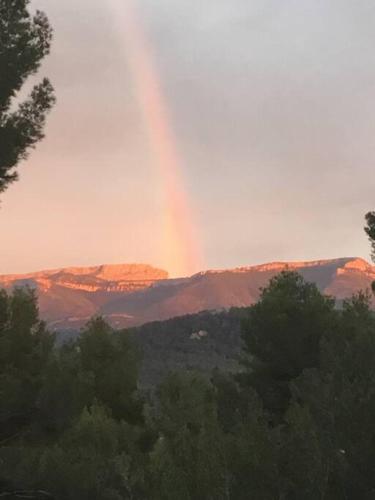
<point>76,293</point>
<point>356,274</point>
<point>132,294</point>
<point>117,277</point>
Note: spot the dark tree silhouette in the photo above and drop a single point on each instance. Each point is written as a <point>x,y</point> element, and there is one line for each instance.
<point>370,231</point>
<point>24,41</point>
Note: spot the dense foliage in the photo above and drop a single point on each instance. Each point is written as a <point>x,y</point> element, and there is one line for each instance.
<point>370,230</point>
<point>200,342</point>
<point>24,42</point>
<point>296,422</point>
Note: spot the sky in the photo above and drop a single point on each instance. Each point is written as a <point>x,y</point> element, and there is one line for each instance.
<point>269,107</point>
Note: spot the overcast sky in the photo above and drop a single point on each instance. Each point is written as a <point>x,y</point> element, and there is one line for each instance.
<point>273,106</point>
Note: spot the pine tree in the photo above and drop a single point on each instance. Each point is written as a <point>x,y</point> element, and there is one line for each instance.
<point>24,42</point>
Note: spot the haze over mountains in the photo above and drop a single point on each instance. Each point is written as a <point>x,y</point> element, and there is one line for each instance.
<point>133,294</point>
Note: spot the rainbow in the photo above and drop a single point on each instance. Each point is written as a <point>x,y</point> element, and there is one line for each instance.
<point>180,242</point>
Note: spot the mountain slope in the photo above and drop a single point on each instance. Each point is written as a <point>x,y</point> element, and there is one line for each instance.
<point>130,295</point>
<point>74,294</point>
<point>238,287</point>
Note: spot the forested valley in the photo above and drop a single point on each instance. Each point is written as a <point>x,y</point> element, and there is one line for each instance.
<point>294,422</point>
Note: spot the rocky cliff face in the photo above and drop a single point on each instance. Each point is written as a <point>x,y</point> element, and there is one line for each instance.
<point>106,278</point>
<point>129,295</point>
<point>74,294</point>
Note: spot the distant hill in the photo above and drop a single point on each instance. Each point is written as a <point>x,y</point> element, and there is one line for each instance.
<point>201,342</point>
<point>131,295</point>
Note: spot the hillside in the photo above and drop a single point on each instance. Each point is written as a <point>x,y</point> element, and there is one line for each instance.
<point>131,295</point>
<point>215,290</point>
<point>69,296</point>
<point>204,342</point>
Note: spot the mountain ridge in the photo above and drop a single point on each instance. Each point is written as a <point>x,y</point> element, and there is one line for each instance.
<point>133,294</point>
